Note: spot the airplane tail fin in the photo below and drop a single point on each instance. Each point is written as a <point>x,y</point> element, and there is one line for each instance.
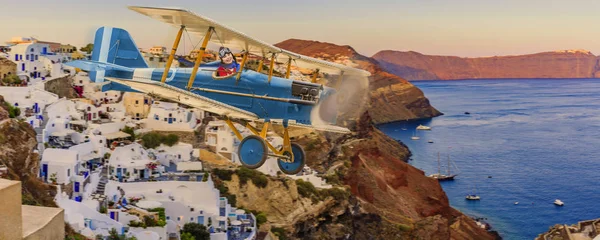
<point>115,46</point>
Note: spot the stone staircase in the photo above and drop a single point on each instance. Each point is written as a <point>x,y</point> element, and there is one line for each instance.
<point>103,181</point>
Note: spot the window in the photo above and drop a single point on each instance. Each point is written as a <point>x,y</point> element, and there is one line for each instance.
<point>100,141</point>
<point>26,57</point>
<point>179,156</point>
<point>137,102</point>
<point>53,125</point>
<point>168,218</point>
<point>80,81</point>
<point>31,49</point>
<point>34,68</point>
<point>151,59</point>
<point>36,57</point>
<point>170,115</point>
<point>156,117</point>
<point>166,119</point>
<point>178,218</point>
<point>94,115</point>
<point>191,219</point>
<point>66,125</point>
<point>68,172</point>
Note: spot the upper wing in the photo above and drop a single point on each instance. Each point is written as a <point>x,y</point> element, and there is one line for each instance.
<point>234,39</point>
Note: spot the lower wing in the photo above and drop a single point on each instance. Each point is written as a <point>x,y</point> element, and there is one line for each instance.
<point>206,104</point>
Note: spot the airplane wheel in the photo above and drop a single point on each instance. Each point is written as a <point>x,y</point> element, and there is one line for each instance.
<point>299,159</point>
<point>253,151</point>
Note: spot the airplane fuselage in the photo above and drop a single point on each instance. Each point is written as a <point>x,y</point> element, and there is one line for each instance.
<point>238,93</point>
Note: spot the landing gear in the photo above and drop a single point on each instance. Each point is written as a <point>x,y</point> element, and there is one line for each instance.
<point>253,151</point>
<point>294,163</point>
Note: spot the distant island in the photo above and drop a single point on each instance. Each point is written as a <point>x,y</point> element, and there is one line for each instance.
<point>557,64</point>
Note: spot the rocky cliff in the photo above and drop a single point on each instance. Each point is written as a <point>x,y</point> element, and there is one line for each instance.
<point>17,142</point>
<point>391,97</point>
<point>557,64</point>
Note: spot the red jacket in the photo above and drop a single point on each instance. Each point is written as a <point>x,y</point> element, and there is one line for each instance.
<point>221,71</point>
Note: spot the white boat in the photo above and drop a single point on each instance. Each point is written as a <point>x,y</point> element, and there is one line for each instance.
<point>472,197</point>
<point>516,203</point>
<point>421,127</point>
<point>558,202</point>
<point>415,137</point>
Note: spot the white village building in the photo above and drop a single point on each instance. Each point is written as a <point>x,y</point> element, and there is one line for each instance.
<point>186,201</point>
<point>62,162</point>
<point>180,152</point>
<point>29,99</point>
<point>164,116</point>
<point>35,61</point>
<point>130,163</point>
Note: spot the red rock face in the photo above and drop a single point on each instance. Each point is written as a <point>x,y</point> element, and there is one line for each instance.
<point>386,186</point>
<point>559,64</point>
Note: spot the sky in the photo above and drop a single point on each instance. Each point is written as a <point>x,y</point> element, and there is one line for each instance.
<point>466,28</point>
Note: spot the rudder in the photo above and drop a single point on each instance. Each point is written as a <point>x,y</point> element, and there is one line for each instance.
<point>115,46</point>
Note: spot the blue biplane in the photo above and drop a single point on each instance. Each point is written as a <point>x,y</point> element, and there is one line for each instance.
<point>247,94</point>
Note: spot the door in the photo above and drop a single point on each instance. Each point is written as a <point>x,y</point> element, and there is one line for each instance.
<point>76,187</point>
<point>44,50</point>
<point>170,120</point>
<point>45,172</point>
<point>89,116</point>
<point>201,220</point>
<point>119,175</point>
<point>142,173</point>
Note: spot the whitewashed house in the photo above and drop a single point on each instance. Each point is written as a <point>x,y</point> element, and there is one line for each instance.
<point>164,116</point>
<point>180,152</point>
<point>129,163</point>
<point>65,109</point>
<point>62,162</point>
<point>186,202</point>
<point>88,111</point>
<point>57,127</point>
<point>220,139</point>
<point>85,220</point>
<point>106,97</point>
<point>29,100</point>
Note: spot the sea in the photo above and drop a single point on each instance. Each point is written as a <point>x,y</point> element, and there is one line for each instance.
<point>526,141</point>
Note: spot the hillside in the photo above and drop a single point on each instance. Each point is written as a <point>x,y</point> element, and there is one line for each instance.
<point>557,64</point>
<point>391,97</point>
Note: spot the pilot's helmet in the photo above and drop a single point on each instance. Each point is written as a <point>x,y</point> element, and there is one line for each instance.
<point>223,51</point>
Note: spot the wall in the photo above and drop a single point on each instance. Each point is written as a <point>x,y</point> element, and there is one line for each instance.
<point>42,223</point>
<point>61,87</point>
<point>10,222</point>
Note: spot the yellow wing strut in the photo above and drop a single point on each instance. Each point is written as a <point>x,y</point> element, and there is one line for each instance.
<point>172,55</point>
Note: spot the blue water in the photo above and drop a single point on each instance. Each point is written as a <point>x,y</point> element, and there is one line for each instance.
<point>538,139</point>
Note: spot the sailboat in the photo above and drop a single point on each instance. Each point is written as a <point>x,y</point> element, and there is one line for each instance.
<point>473,196</point>
<point>441,177</point>
<point>415,137</point>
